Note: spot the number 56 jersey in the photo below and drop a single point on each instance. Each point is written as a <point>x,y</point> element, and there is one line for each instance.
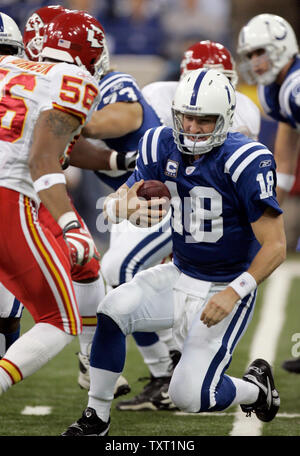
<point>26,89</point>
<point>214,200</point>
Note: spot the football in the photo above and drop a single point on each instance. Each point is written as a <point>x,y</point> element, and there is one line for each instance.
<point>153,189</point>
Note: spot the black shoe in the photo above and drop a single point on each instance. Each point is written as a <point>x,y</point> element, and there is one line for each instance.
<point>267,405</point>
<point>122,387</point>
<point>88,425</point>
<point>292,365</point>
<point>144,400</point>
<point>175,356</point>
<point>161,399</point>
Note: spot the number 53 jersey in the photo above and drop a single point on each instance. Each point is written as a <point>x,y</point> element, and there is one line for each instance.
<point>214,200</point>
<point>26,89</point>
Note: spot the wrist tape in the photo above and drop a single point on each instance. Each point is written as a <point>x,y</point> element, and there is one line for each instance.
<point>48,180</point>
<point>244,284</point>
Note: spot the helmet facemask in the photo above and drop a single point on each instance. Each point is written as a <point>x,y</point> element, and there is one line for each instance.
<point>269,76</point>
<point>191,143</point>
<point>103,65</point>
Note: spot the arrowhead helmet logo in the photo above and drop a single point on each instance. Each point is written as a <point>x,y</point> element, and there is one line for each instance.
<point>95,36</point>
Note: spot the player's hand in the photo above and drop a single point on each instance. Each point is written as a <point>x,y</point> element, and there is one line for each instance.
<point>139,211</point>
<point>81,245</point>
<point>219,306</point>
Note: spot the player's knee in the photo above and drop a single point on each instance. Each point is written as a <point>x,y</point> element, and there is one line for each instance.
<point>184,392</point>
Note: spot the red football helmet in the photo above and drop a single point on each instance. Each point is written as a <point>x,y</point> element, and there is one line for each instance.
<point>34,29</point>
<point>76,37</point>
<point>208,54</point>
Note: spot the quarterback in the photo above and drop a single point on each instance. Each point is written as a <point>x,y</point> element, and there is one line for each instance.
<point>222,186</point>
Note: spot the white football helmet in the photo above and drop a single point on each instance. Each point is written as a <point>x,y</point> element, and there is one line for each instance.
<point>276,36</point>
<point>203,92</point>
<point>10,35</point>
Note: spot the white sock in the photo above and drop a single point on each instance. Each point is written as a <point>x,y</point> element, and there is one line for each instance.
<point>246,392</point>
<point>166,336</point>
<point>157,358</point>
<point>101,391</point>
<point>88,296</point>
<point>30,352</point>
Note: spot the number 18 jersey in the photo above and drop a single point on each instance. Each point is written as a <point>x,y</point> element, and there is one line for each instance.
<point>26,89</point>
<point>214,200</point>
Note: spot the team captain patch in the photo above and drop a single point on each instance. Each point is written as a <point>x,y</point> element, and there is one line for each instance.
<point>171,168</point>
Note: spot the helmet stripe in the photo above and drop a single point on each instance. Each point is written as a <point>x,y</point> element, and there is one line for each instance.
<point>196,87</point>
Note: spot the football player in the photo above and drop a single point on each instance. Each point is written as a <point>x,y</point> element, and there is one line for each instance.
<point>87,279</point>
<point>246,119</point>
<point>223,194</point>
<point>43,108</point>
<point>10,308</point>
<point>268,50</point>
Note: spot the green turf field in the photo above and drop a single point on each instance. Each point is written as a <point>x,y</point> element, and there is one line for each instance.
<point>55,386</point>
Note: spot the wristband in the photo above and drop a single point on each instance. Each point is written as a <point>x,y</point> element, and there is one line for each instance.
<point>48,180</point>
<point>285,181</point>
<point>67,218</point>
<point>113,161</point>
<point>244,284</point>
<point>110,209</point>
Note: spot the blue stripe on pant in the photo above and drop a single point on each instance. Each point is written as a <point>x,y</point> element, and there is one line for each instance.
<point>225,390</point>
<point>17,309</point>
<point>138,248</point>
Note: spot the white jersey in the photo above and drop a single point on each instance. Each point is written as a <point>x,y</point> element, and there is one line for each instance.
<point>246,117</point>
<point>26,89</point>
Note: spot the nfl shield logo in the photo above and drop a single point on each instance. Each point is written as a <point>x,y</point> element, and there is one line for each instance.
<point>189,170</point>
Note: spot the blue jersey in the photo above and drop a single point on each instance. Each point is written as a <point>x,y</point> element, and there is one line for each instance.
<point>282,102</point>
<point>120,87</point>
<point>214,200</point>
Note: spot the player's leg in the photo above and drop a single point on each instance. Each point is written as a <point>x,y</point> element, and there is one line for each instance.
<point>10,314</point>
<point>36,271</point>
<point>132,250</point>
<point>199,382</point>
<point>123,311</point>
<point>89,291</point>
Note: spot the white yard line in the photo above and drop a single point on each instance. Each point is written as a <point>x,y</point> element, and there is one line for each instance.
<point>266,336</point>
<point>36,410</point>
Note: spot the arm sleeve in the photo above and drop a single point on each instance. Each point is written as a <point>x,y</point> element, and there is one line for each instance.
<point>119,88</point>
<point>147,164</point>
<point>254,176</point>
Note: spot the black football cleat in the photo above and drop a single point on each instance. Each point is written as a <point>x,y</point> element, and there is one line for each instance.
<point>267,405</point>
<point>161,399</point>
<point>88,425</point>
<point>144,400</point>
<point>292,365</point>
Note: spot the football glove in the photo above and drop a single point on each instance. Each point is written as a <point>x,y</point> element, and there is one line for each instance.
<point>81,245</point>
